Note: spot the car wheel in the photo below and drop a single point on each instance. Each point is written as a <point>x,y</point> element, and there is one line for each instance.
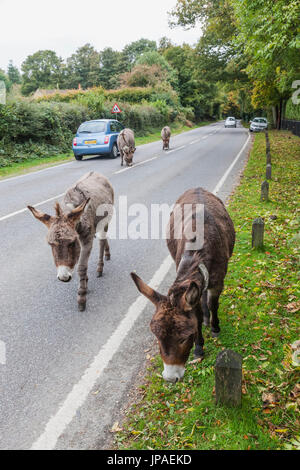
<point>114,151</point>
<point>78,157</point>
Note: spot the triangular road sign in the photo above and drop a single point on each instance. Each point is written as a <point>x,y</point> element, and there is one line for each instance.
<point>116,109</point>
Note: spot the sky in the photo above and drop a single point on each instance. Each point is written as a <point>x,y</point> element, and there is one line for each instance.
<point>27,26</point>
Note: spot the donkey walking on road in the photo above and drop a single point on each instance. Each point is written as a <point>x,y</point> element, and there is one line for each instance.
<point>72,230</point>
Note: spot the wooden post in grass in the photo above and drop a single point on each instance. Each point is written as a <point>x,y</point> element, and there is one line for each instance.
<point>228,378</point>
<point>264,196</point>
<point>269,171</point>
<point>258,229</point>
<point>268,149</point>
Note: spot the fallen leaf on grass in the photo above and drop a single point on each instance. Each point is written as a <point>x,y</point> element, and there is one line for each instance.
<point>296,345</point>
<point>269,399</point>
<point>199,359</point>
<point>116,427</point>
<point>295,393</point>
<point>293,307</point>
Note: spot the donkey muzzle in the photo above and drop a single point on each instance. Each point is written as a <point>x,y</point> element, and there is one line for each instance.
<point>173,373</point>
<point>64,274</point>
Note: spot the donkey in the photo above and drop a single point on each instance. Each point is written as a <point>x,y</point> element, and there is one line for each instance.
<point>72,230</point>
<point>126,146</point>
<point>165,135</point>
<point>177,322</point>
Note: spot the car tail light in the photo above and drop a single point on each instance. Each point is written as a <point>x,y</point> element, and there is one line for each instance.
<point>75,142</point>
<point>106,139</point>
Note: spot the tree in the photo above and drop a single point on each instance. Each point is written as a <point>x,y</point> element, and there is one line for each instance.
<point>83,67</point>
<point>164,44</point>
<point>154,58</point>
<point>268,32</point>
<point>4,78</point>
<point>41,70</point>
<point>143,76</point>
<point>13,73</point>
<point>111,66</point>
<point>135,49</point>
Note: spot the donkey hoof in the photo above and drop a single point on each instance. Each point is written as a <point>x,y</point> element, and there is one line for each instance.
<point>198,353</point>
<point>99,274</point>
<point>107,257</point>
<point>215,334</point>
<point>82,307</point>
<point>206,321</point>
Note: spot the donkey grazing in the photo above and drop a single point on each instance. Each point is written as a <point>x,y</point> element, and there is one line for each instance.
<point>126,146</point>
<point>72,230</point>
<point>165,135</point>
<point>177,322</point>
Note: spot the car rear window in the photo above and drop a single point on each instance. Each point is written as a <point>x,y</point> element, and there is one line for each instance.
<point>263,121</point>
<point>92,128</point>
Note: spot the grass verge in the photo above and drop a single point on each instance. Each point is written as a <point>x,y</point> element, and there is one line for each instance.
<point>35,164</point>
<point>259,319</point>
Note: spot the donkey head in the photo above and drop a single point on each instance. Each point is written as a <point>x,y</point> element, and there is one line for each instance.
<point>62,237</point>
<point>174,324</point>
<point>128,151</point>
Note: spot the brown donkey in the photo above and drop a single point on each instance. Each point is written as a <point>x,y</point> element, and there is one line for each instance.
<point>72,230</point>
<point>126,146</point>
<point>166,135</point>
<point>177,322</point>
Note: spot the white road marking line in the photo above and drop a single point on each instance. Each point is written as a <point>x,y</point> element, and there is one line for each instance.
<point>222,180</point>
<point>76,398</point>
<point>134,166</point>
<point>78,395</point>
<point>2,353</point>
<point>5,217</point>
<point>175,150</point>
<point>34,172</point>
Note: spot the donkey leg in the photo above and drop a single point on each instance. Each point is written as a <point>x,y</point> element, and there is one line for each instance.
<point>107,251</point>
<point>213,304</point>
<point>122,157</point>
<point>205,310</point>
<point>83,278</point>
<point>199,342</point>
<point>101,254</point>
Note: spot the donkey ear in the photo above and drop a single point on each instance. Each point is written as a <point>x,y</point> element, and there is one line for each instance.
<point>75,214</point>
<point>146,290</point>
<point>192,296</point>
<point>41,216</point>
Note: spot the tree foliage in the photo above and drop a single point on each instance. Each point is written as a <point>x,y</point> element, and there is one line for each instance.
<point>41,70</point>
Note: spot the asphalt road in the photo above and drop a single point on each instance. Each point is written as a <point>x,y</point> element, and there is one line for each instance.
<point>65,374</point>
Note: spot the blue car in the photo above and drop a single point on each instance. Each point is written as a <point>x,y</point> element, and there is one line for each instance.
<point>97,137</point>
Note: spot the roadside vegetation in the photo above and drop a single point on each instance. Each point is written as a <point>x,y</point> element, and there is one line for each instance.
<point>259,318</point>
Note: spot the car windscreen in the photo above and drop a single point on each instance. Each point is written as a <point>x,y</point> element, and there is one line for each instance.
<point>92,128</point>
<point>260,120</point>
